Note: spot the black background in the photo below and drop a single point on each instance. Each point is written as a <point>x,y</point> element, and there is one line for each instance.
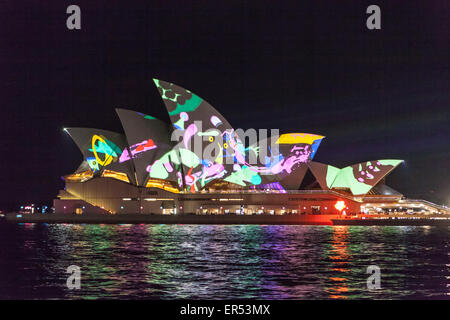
<point>300,66</point>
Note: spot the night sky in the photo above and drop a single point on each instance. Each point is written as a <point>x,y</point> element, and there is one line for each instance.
<point>300,66</point>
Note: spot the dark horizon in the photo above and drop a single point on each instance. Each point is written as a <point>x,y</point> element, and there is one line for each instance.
<point>303,67</point>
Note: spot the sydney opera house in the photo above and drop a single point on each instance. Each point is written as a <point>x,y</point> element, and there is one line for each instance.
<point>143,170</point>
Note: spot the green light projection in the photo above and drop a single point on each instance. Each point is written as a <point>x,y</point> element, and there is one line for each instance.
<point>183,101</point>
<point>362,177</point>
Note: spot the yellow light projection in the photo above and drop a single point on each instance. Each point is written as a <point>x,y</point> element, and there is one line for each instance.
<point>295,138</point>
<point>115,175</point>
<point>79,177</point>
<point>161,184</point>
<point>108,158</point>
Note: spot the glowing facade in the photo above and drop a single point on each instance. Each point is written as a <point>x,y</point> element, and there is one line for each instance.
<point>155,167</point>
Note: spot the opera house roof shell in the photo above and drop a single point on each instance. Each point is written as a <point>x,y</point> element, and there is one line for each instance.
<point>145,154</point>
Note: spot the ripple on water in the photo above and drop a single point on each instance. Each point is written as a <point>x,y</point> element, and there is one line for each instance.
<point>223,262</point>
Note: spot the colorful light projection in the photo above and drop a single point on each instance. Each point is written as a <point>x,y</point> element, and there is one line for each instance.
<point>148,140</point>
<point>177,99</point>
<point>136,149</point>
<point>297,148</point>
<point>105,152</point>
<point>193,117</point>
<point>286,165</point>
<point>243,176</point>
<point>313,140</point>
<point>101,149</point>
<point>324,174</point>
<point>199,170</point>
<point>194,120</point>
<point>362,177</point>
<point>149,154</point>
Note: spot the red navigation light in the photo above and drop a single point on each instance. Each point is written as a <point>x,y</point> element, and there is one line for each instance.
<point>340,205</point>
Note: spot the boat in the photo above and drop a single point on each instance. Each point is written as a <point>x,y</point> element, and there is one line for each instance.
<point>392,221</point>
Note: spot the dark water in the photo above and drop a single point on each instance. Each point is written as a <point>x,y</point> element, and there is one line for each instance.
<point>223,262</point>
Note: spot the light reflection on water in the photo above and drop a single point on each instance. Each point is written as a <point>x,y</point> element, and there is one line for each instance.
<point>222,262</point>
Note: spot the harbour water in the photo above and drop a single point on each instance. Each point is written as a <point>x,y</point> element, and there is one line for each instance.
<point>223,261</point>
